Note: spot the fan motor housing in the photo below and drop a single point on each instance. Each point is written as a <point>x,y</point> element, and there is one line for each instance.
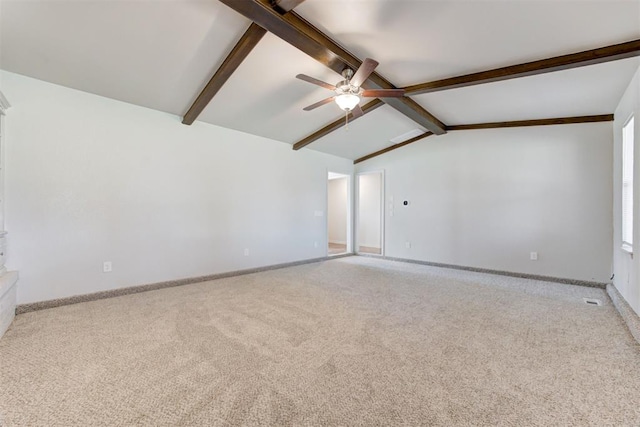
<point>344,87</point>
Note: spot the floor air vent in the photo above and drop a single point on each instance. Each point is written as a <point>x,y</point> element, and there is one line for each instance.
<point>592,301</point>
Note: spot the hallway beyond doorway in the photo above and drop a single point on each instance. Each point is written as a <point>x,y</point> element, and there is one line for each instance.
<point>338,213</point>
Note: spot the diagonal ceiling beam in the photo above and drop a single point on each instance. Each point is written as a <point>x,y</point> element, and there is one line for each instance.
<point>539,122</point>
<point>370,106</point>
<point>558,63</point>
<point>404,105</point>
<point>284,6</point>
<point>299,33</point>
<point>245,45</point>
<point>496,125</point>
<point>240,51</point>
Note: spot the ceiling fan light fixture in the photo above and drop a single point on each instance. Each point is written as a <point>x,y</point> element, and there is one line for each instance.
<point>347,101</point>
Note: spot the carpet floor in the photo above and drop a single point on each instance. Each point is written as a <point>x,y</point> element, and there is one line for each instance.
<point>350,341</point>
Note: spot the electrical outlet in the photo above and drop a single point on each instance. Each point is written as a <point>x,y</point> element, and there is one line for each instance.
<point>246,251</point>
<point>407,245</point>
<point>107,267</point>
<point>533,256</point>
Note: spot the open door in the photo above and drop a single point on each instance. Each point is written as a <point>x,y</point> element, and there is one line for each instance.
<point>338,214</point>
<point>370,213</point>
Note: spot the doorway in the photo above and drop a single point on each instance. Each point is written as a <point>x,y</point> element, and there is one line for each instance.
<point>338,214</point>
<point>370,224</point>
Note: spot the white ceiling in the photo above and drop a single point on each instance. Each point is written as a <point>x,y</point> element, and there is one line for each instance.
<point>578,92</point>
<point>159,54</point>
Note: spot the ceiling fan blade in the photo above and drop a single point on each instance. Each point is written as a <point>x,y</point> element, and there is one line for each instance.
<point>383,93</point>
<point>356,112</point>
<point>319,104</point>
<point>315,81</point>
<point>364,72</point>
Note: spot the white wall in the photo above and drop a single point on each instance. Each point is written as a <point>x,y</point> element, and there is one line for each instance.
<point>626,267</point>
<point>337,210</point>
<point>369,206</point>
<point>89,179</point>
<point>488,198</point>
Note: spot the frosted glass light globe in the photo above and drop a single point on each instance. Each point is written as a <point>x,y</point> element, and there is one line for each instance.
<point>347,101</point>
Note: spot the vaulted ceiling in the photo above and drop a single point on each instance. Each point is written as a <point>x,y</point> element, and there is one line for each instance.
<point>161,54</point>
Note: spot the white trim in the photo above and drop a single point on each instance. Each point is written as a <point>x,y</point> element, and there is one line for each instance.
<point>349,241</point>
<point>382,210</point>
<point>382,216</point>
<point>4,104</point>
<point>628,155</point>
<point>8,300</point>
<point>349,177</point>
<point>336,175</point>
<point>626,122</point>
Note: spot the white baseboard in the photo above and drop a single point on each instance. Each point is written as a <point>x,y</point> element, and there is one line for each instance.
<point>8,294</point>
<point>41,305</point>
<point>629,316</point>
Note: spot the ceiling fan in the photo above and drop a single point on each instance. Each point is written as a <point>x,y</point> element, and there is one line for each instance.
<point>348,91</point>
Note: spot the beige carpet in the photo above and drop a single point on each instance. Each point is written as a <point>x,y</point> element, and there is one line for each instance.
<point>351,341</point>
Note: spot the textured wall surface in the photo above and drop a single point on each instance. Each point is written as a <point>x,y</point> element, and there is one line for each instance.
<point>488,198</point>
<point>90,179</point>
<point>626,267</point>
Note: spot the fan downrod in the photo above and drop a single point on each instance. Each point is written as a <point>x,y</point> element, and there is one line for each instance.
<point>347,73</point>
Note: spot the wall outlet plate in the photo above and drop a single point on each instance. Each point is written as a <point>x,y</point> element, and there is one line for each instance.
<point>107,267</point>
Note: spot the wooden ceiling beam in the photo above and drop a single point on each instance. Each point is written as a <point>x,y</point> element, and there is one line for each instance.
<point>299,33</point>
<point>240,51</point>
<point>370,106</point>
<point>580,59</point>
<point>284,6</point>
<point>497,125</point>
<point>539,122</point>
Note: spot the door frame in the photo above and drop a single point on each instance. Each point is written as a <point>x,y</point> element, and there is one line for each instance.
<point>349,219</point>
<point>357,210</point>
